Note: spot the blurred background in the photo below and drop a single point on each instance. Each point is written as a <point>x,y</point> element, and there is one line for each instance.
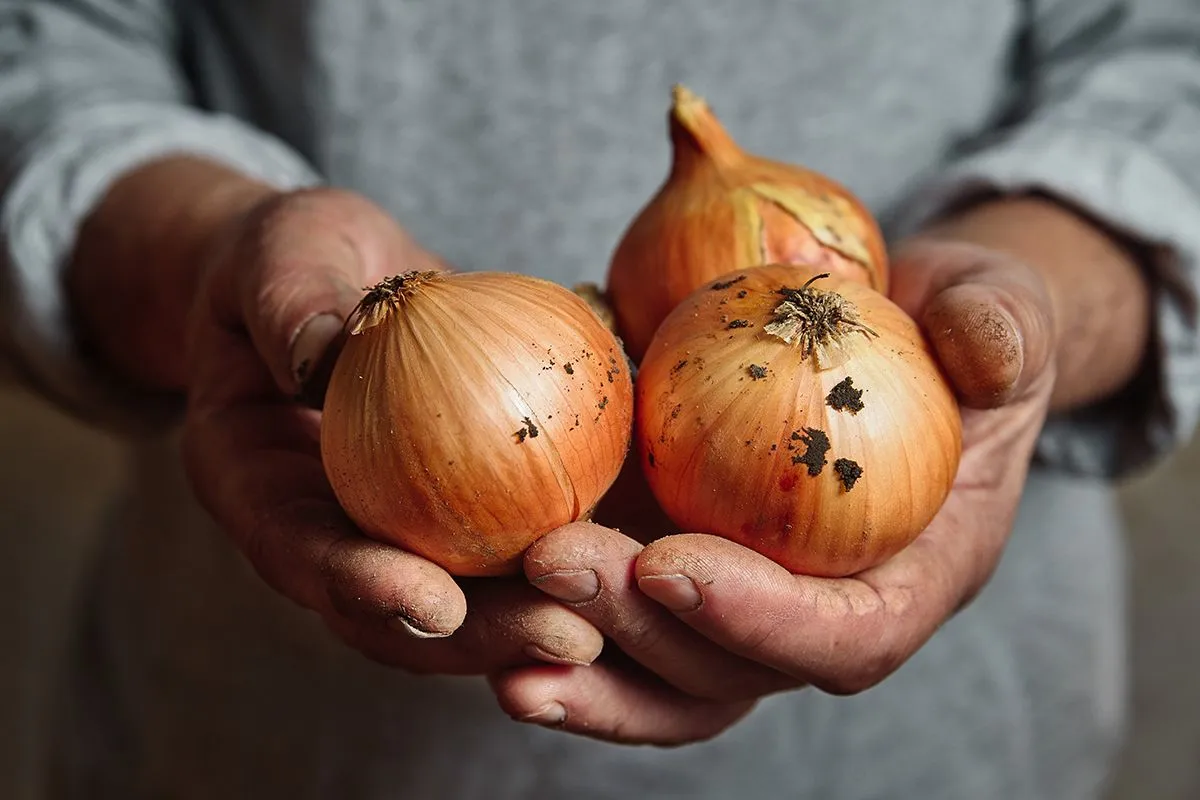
<point>55,477</point>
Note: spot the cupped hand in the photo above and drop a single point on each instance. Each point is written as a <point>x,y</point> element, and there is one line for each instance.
<point>707,627</point>
<point>266,325</point>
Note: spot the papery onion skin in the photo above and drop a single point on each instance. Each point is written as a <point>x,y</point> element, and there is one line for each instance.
<point>726,414</point>
<point>479,412</point>
<point>723,209</point>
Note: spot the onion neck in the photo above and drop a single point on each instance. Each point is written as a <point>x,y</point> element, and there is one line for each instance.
<point>815,319</point>
<point>697,136</point>
<point>387,296</point>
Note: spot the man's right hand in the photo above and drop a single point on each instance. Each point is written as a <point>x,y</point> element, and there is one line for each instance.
<point>269,279</point>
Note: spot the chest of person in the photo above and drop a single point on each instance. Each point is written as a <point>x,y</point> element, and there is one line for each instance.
<point>471,120</point>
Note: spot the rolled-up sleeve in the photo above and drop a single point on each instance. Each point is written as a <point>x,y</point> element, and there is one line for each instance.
<point>1112,127</point>
<point>89,89</point>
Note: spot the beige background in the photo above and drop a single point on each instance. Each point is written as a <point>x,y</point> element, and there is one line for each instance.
<point>54,477</point>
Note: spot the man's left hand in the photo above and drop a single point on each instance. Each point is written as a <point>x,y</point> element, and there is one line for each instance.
<point>706,627</point>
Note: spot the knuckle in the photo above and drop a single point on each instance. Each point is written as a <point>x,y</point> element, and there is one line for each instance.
<point>641,636</point>
<point>325,207</point>
<point>897,601</point>
<point>869,671</point>
<point>283,208</point>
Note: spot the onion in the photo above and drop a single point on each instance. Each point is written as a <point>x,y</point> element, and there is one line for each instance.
<point>801,415</point>
<point>469,414</point>
<point>722,209</point>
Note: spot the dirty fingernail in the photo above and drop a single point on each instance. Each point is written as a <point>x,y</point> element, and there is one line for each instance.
<point>310,344</point>
<point>676,592</point>
<point>407,625</point>
<point>549,714</point>
<point>571,585</point>
<point>536,652</point>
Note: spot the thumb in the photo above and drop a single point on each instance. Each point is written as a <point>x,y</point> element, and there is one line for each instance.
<point>299,265</point>
<point>987,315</point>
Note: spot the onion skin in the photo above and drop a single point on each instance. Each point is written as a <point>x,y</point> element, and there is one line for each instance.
<point>474,415</point>
<point>725,408</point>
<point>722,209</point>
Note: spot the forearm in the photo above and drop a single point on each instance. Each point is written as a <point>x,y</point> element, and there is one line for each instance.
<point>138,260</point>
<point>1099,294</point>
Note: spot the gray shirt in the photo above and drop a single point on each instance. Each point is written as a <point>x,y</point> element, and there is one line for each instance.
<point>523,135</point>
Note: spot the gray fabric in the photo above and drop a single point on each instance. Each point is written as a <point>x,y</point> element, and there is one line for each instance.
<point>1113,132</point>
<point>202,683</point>
<point>87,91</point>
<point>523,135</point>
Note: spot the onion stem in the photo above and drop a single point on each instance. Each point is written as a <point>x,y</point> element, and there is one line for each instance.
<point>815,318</point>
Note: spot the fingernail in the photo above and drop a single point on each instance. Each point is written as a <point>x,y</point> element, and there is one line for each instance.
<point>310,344</point>
<point>570,585</point>
<point>407,625</point>
<point>549,714</point>
<point>677,592</point>
<point>536,652</point>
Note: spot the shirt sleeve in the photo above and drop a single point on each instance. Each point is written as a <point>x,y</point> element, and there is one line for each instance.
<point>1107,119</point>
<point>89,89</point>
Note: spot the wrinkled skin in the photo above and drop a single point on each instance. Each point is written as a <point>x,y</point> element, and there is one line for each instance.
<point>278,282</point>
<point>699,628</point>
<point>707,627</point>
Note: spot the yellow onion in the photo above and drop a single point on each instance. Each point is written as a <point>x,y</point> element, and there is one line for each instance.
<point>469,414</point>
<point>722,209</point>
<point>801,415</point>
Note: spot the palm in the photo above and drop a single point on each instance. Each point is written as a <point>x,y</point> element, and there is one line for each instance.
<point>253,453</point>
<point>706,625</point>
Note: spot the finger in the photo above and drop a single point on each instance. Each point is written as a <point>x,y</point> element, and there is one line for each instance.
<point>591,569</point>
<point>298,268</point>
<point>840,635</point>
<point>988,317</point>
<point>508,624</point>
<point>612,703</point>
<point>276,504</point>
<point>254,470</point>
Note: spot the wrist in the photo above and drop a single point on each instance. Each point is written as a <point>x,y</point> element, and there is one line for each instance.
<point>140,259</point>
